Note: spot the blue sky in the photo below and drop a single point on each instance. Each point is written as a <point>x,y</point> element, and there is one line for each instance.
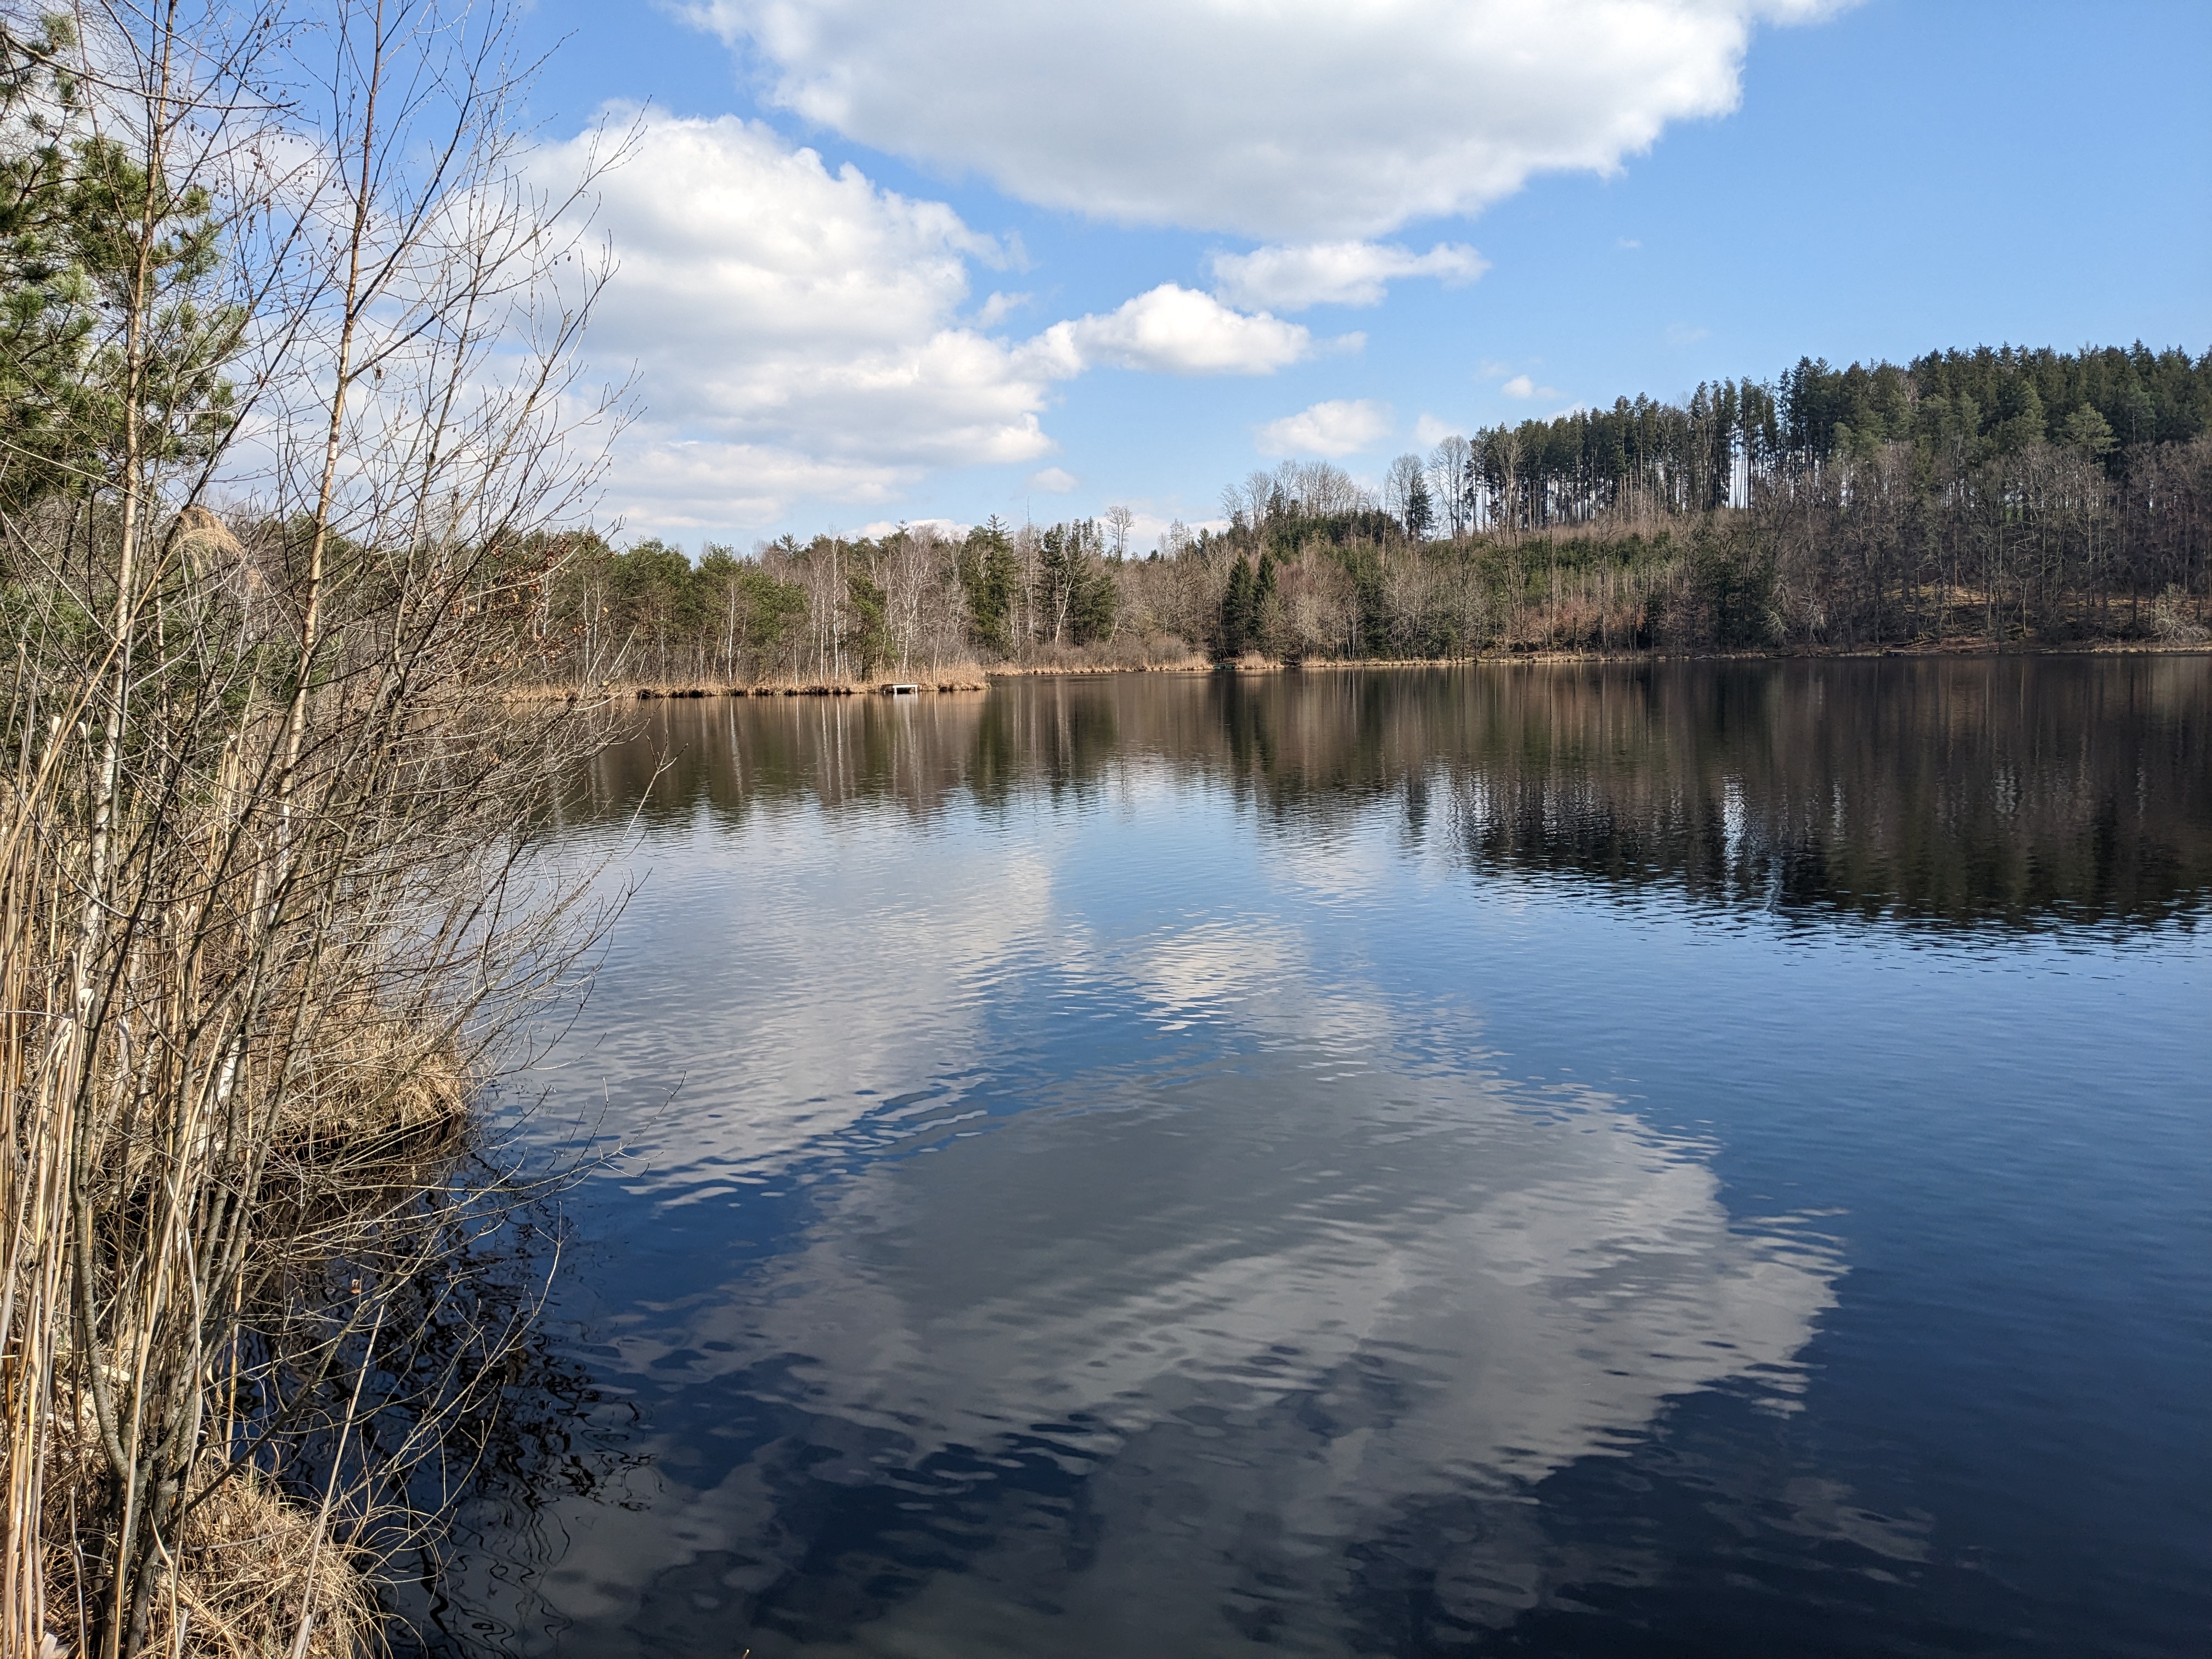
<point>1653,192</point>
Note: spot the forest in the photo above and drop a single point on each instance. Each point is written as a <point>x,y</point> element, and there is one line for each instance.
<point>1990,496</point>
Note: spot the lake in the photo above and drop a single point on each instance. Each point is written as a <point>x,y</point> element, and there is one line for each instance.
<point>1699,1159</point>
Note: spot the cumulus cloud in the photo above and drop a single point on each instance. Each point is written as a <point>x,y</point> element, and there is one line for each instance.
<point>1318,120</point>
<point>1339,427</point>
<point>1058,480</point>
<point>798,332</point>
<point>663,480</point>
<point>795,329</point>
<point>1176,331</point>
<point>1292,277</point>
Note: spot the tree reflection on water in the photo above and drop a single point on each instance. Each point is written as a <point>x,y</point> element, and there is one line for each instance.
<point>2013,791</point>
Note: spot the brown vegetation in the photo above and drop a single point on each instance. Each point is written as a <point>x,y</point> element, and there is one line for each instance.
<point>268,901</point>
<point>252,1568</point>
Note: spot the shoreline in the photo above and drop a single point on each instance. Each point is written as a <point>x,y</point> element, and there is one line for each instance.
<point>973,678</point>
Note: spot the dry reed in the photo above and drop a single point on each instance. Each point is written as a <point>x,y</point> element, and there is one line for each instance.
<point>270,896</point>
<point>249,1569</point>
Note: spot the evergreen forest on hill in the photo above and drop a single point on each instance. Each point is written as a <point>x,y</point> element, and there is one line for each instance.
<point>1990,497</point>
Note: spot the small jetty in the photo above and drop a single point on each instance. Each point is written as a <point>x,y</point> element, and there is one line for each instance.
<point>902,688</point>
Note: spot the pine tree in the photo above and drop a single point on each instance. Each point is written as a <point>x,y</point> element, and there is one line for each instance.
<point>75,206</point>
<point>1261,608</point>
<point>1235,630</point>
<point>1420,510</point>
<point>987,571</point>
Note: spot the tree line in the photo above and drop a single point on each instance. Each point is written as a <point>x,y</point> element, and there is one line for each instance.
<point>1990,495</point>
<point>1956,410</point>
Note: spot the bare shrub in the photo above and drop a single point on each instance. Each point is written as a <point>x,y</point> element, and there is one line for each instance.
<point>268,885</point>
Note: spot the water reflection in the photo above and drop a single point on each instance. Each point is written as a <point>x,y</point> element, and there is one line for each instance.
<point>2012,791</point>
<point>1203,1166</point>
<point>1252,1311</point>
<point>1116,1343</point>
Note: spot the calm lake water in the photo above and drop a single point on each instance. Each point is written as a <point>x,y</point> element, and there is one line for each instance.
<point>1683,1160</point>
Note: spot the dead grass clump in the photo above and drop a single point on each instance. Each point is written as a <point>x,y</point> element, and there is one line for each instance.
<point>946,676</point>
<point>246,1561</point>
<point>1131,654</point>
<point>249,1563</point>
<point>379,1082</point>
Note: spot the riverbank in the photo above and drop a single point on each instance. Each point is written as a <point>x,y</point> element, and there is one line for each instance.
<point>234,1168</point>
<point>1955,648</point>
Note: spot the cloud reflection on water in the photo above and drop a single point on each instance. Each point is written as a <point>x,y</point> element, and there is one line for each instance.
<point>1327,1269</point>
<point>1065,1239</point>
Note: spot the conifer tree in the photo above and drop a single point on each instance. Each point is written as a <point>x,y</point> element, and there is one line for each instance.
<point>1235,636</point>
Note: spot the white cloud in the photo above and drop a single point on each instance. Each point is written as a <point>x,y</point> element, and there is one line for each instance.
<point>1305,119</point>
<point>1056,479</point>
<point>1429,431</point>
<point>793,329</point>
<point>1292,277</point>
<point>665,482</point>
<point>1174,330</point>
<point>798,335</point>
<point>1339,427</point>
<point>1521,386</point>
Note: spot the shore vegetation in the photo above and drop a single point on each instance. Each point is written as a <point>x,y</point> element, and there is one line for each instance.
<point>286,384</point>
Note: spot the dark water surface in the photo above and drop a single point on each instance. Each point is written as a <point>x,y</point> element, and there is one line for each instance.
<point>1699,1160</point>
